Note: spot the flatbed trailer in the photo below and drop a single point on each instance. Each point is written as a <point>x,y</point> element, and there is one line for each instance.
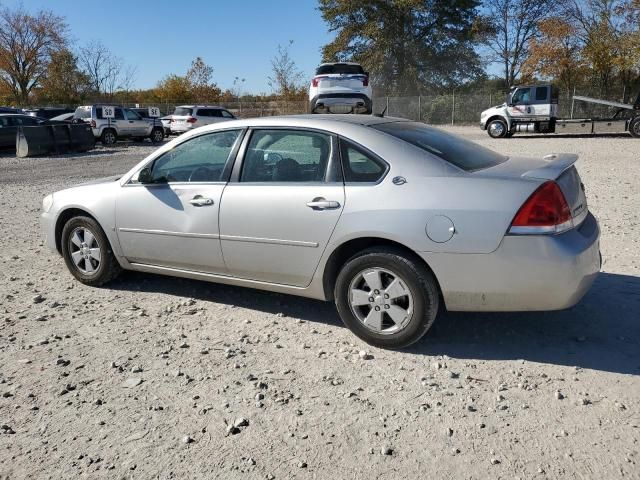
<point>533,109</point>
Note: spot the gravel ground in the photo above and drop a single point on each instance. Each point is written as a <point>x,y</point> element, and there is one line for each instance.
<point>154,377</point>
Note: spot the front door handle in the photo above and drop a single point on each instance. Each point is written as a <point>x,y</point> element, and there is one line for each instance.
<point>320,203</point>
<point>200,201</point>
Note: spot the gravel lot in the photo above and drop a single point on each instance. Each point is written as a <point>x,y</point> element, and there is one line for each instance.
<point>154,377</point>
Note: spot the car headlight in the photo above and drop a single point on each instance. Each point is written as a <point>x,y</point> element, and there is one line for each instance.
<point>47,203</point>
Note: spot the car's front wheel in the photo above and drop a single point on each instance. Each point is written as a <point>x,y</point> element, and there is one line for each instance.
<point>87,252</point>
<point>387,298</point>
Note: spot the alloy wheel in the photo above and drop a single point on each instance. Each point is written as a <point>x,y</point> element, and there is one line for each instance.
<point>85,251</point>
<point>381,300</point>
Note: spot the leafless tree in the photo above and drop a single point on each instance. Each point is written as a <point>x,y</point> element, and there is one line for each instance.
<point>26,44</point>
<point>512,24</point>
<point>102,67</point>
<point>286,77</point>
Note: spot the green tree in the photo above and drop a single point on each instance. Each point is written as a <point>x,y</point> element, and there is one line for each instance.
<point>63,82</point>
<point>406,45</point>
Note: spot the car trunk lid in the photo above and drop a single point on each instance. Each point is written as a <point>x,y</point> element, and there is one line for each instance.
<point>555,167</point>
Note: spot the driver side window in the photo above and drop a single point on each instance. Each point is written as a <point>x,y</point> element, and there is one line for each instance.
<point>200,159</point>
<point>522,96</point>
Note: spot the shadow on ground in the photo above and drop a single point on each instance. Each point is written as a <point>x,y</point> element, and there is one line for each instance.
<point>602,332</point>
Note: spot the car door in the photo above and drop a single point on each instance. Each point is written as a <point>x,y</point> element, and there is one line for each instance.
<point>8,131</point>
<point>137,126</point>
<point>167,215</point>
<point>520,105</point>
<point>281,206</point>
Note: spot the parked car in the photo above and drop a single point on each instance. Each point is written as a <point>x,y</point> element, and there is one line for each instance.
<point>340,88</point>
<point>65,117</point>
<point>386,217</point>
<point>9,124</point>
<point>166,123</point>
<point>125,124</point>
<point>47,112</point>
<point>10,110</point>
<point>188,117</point>
<point>144,113</point>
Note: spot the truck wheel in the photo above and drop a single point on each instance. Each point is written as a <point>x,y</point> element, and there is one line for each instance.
<point>109,137</point>
<point>497,128</point>
<point>634,127</point>
<point>157,135</point>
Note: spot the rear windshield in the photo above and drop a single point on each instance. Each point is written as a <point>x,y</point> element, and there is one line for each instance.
<point>182,111</point>
<point>462,153</point>
<point>341,68</point>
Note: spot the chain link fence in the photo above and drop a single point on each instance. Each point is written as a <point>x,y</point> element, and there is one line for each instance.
<point>438,109</point>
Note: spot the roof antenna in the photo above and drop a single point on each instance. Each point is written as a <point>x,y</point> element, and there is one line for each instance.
<point>381,114</point>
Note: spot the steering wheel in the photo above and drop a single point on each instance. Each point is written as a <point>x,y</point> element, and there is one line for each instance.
<point>203,172</point>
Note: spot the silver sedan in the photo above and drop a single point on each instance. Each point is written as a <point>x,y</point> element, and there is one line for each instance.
<point>390,219</point>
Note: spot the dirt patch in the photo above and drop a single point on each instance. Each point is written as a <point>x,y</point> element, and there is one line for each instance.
<point>155,377</point>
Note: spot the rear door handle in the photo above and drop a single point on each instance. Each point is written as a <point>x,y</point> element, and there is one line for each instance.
<point>199,201</point>
<point>322,204</point>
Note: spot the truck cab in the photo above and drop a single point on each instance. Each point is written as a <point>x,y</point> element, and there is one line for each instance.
<point>527,108</point>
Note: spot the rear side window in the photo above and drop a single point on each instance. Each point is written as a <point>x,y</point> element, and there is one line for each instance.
<point>359,165</point>
<point>203,112</point>
<point>541,93</point>
<point>82,113</point>
<point>339,68</point>
<point>286,156</point>
<point>462,153</point>
<point>182,111</point>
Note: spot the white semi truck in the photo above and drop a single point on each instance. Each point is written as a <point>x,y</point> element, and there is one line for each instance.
<point>534,109</point>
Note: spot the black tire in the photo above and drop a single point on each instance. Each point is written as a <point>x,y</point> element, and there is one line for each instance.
<point>109,136</point>
<point>634,127</point>
<point>106,269</point>
<point>497,128</point>
<point>416,277</point>
<point>157,135</point>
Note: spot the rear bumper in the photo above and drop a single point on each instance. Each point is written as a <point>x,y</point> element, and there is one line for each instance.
<point>182,127</point>
<point>525,273</point>
<point>356,102</point>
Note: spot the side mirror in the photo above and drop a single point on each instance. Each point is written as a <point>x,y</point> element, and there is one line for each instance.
<point>145,175</point>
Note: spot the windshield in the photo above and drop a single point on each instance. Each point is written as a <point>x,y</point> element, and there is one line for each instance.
<point>340,68</point>
<point>462,153</point>
<point>182,111</point>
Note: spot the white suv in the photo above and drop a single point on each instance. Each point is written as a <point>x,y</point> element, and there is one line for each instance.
<point>188,117</point>
<point>340,88</point>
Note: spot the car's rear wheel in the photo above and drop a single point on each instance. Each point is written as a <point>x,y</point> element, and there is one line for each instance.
<point>634,127</point>
<point>497,128</point>
<point>87,252</point>
<point>109,137</point>
<point>386,297</point>
<point>157,135</point>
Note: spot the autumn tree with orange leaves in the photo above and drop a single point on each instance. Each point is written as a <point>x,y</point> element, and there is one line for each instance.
<point>556,54</point>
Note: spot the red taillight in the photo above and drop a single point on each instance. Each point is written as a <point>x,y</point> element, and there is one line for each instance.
<point>365,81</point>
<point>192,120</point>
<point>315,80</point>
<point>93,124</point>
<point>545,211</point>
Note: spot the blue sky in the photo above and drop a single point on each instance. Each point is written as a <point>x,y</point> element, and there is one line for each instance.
<point>159,37</point>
